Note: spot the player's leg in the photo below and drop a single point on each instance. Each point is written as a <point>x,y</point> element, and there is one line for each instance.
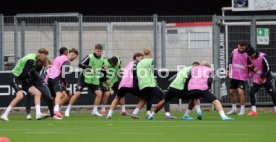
<point>144,95</point>
<point>19,96</point>
<point>160,95</point>
<point>121,93</point>
<point>253,91</point>
<point>186,115</point>
<point>17,86</point>
<point>98,98</point>
<point>148,106</point>
<point>233,98</point>
<point>28,106</point>
<point>172,93</point>
<point>269,89</point>
<point>46,95</point>
<point>113,107</point>
<point>139,106</point>
<point>123,106</point>
<point>57,88</point>
<point>208,96</point>
<point>105,98</point>
<point>64,98</point>
<point>37,101</point>
<point>74,98</point>
<point>241,92</point>
<point>122,101</point>
<point>195,102</point>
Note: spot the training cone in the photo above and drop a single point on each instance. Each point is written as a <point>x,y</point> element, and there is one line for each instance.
<point>4,139</point>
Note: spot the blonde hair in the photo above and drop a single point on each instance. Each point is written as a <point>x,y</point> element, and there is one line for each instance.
<point>147,51</point>
<point>41,58</point>
<point>43,51</point>
<point>205,63</point>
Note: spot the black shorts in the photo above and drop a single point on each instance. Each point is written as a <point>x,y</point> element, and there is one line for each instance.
<point>150,92</point>
<point>104,88</point>
<point>235,84</point>
<point>114,87</point>
<point>124,90</point>
<point>82,84</point>
<point>66,91</point>
<point>17,84</point>
<point>175,93</point>
<point>54,86</point>
<point>206,95</point>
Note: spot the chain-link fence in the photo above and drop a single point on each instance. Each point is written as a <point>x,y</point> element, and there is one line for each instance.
<point>175,40</point>
<point>230,30</point>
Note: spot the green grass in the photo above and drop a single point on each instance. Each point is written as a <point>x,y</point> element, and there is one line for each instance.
<point>85,128</point>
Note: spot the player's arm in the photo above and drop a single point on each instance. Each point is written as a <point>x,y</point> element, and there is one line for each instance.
<point>230,61</point>
<point>103,77</point>
<point>210,81</point>
<point>35,76</point>
<point>134,71</point>
<point>266,68</point>
<point>27,69</point>
<point>155,71</point>
<point>65,68</point>
<point>84,64</point>
<point>188,77</point>
<point>250,65</point>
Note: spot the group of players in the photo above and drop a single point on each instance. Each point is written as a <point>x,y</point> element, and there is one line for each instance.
<point>100,76</point>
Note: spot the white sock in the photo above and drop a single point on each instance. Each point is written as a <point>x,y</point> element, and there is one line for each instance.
<point>222,114</point>
<point>8,110</point>
<point>68,107</point>
<point>148,112</point>
<point>95,109</point>
<point>275,108</point>
<point>110,113</point>
<point>187,113</point>
<point>103,108</point>
<point>37,109</point>
<point>56,108</point>
<point>254,108</point>
<point>242,108</point>
<point>152,114</point>
<point>234,106</point>
<point>136,111</point>
<point>167,113</point>
<point>197,107</point>
<point>123,108</point>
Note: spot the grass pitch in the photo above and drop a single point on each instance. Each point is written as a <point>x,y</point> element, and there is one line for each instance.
<point>87,128</point>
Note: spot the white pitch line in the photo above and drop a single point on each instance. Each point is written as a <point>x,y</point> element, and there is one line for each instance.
<point>45,133</point>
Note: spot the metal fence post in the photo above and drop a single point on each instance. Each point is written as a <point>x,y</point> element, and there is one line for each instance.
<point>216,46</point>
<point>163,44</point>
<point>23,51</point>
<point>56,38</point>
<point>253,32</point>
<point>155,30</point>
<point>109,37</point>
<point>15,40</point>
<point>1,42</point>
<point>80,18</point>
